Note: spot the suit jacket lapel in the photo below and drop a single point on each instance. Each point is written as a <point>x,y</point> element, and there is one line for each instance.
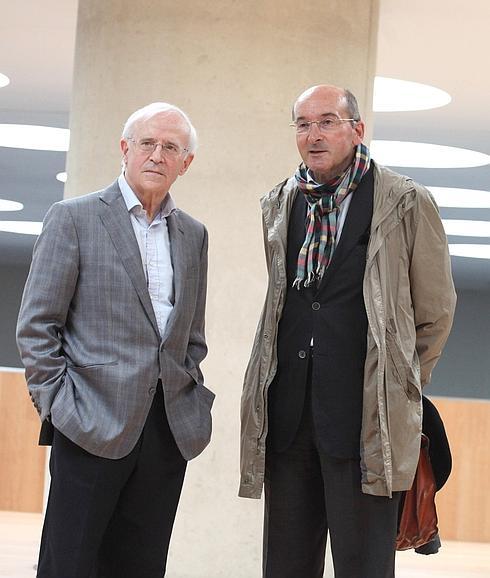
<point>356,223</point>
<point>115,217</point>
<point>179,263</point>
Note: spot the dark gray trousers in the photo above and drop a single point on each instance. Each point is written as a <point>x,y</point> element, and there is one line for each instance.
<point>113,518</point>
<point>308,495</point>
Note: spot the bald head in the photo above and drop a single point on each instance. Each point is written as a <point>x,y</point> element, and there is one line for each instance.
<point>328,130</point>
<point>345,99</point>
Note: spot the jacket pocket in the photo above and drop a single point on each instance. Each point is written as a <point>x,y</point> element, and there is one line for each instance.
<point>192,371</point>
<point>207,394</point>
<point>91,365</point>
<point>400,369</point>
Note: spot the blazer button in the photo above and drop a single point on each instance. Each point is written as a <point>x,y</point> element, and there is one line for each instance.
<point>151,391</point>
<point>301,354</point>
<point>315,306</point>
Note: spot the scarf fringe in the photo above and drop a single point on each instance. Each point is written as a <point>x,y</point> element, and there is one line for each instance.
<point>308,282</point>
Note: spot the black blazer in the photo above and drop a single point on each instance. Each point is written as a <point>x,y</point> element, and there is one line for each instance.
<point>334,315</point>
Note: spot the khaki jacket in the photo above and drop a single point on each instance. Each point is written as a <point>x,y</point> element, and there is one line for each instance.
<point>409,298</point>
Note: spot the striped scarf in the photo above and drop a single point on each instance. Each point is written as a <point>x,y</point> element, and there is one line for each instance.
<point>323,208</point>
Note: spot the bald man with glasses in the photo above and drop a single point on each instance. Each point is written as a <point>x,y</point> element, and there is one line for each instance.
<point>111,332</point>
<point>359,304</point>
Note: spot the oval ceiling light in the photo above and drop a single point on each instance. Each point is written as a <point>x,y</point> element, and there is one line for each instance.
<point>40,138</point>
<point>61,177</point>
<point>391,94</point>
<point>471,251</point>
<point>462,228</point>
<point>396,153</point>
<point>21,227</point>
<point>461,198</point>
<point>6,205</point>
<point>4,80</point>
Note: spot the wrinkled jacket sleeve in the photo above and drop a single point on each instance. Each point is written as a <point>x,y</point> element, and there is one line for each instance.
<point>431,284</point>
<point>45,304</point>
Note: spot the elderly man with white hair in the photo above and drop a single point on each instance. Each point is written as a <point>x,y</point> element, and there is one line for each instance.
<point>111,332</point>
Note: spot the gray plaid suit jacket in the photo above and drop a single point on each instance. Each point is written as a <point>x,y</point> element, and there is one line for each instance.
<point>88,336</point>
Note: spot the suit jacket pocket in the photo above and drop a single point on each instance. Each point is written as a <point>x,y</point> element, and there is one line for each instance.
<point>400,369</point>
<point>192,371</point>
<point>206,394</point>
<point>82,366</point>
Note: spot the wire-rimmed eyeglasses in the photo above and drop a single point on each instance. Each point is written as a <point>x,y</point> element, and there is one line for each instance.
<point>324,125</point>
<point>149,145</point>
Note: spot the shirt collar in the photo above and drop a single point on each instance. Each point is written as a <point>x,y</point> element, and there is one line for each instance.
<point>132,201</point>
<point>310,179</point>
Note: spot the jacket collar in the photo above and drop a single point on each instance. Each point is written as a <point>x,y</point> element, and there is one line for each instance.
<point>393,196</point>
<point>115,216</point>
<point>357,222</point>
<point>390,189</point>
<point>179,263</point>
<point>276,210</point>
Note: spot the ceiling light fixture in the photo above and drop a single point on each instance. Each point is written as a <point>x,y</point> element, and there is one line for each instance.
<point>6,205</point>
<point>21,227</point>
<point>462,228</point>
<point>471,251</point>
<point>61,177</point>
<point>461,198</point>
<point>42,138</point>
<point>396,153</point>
<point>392,94</point>
<point>4,80</point>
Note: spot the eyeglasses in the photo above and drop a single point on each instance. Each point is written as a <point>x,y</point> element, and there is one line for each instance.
<point>324,125</point>
<point>148,146</point>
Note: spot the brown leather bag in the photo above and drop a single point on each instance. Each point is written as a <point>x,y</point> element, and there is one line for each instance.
<point>418,520</point>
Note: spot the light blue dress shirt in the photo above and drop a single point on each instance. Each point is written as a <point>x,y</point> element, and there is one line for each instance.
<point>154,245</point>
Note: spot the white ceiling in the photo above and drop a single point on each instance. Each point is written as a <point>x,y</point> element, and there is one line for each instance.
<point>443,43</point>
<point>436,42</point>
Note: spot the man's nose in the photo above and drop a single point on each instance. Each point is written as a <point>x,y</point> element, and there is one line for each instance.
<point>157,155</point>
<point>314,133</point>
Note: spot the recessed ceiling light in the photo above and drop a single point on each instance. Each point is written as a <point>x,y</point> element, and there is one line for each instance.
<point>396,153</point>
<point>42,138</point>
<point>22,227</point>
<point>391,94</point>
<point>4,80</point>
<point>61,177</point>
<point>472,251</point>
<point>461,228</point>
<point>6,205</point>
<point>461,198</point>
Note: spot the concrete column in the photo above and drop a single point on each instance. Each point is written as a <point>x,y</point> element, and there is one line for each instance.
<point>235,68</point>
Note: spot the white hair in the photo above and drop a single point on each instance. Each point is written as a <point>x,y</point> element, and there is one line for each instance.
<point>153,109</point>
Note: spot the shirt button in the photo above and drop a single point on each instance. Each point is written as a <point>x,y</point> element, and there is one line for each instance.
<point>151,391</point>
<point>315,306</point>
<point>302,354</point>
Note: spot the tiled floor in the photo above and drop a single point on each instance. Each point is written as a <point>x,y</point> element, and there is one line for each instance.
<point>19,539</point>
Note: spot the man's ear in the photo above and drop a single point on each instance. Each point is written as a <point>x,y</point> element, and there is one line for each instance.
<point>124,148</point>
<point>359,129</point>
<point>185,165</point>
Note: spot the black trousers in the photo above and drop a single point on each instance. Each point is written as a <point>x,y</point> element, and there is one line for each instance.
<point>113,518</point>
<point>308,495</point>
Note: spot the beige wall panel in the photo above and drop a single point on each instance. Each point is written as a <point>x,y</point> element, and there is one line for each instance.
<point>463,504</point>
<point>22,461</point>
<point>235,68</point>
